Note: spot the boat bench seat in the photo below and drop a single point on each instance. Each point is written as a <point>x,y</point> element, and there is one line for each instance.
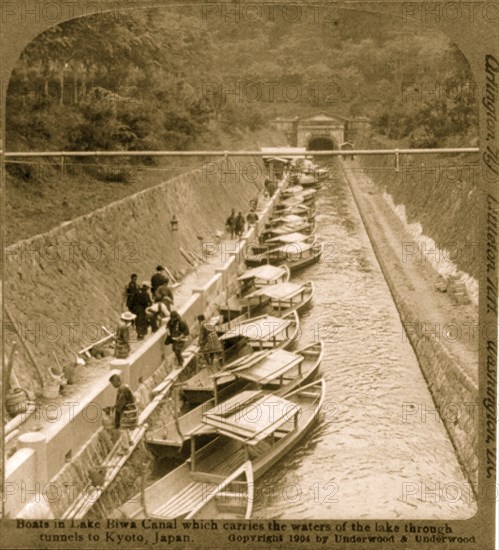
<point>230,494</point>
<point>183,502</point>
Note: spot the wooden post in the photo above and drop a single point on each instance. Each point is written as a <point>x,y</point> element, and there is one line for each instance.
<point>175,411</point>
<point>143,489</point>
<point>8,369</point>
<point>215,390</point>
<point>25,345</point>
<point>193,453</point>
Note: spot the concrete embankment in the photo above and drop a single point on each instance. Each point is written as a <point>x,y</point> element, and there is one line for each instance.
<point>433,323</point>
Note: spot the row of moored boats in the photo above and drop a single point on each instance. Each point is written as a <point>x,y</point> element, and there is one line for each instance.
<point>244,416</point>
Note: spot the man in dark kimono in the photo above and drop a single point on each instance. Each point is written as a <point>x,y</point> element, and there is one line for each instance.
<point>177,335</point>
<point>209,345</point>
<point>164,294</point>
<point>230,223</point>
<point>240,223</point>
<point>141,302</point>
<point>124,397</point>
<point>131,290</point>
<point>158,279</point>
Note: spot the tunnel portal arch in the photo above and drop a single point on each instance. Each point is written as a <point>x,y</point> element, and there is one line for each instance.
<point>321,143</point>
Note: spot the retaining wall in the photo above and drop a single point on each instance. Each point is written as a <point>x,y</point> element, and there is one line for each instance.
<point>447,381</point>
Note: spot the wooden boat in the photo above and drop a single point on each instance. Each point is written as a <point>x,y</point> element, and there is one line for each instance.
<point>231,499</point>
<point>251,280</point>
<point>286,203</point>
<point>302,210</point>
<point>283,235</point>
<point>239,436</point>
<point>287,224</point>
<point>288,297</point>
<point>311,181</point>
<point>291,190</point>
<point>310,168</point>
<point>308,195</point>
<point>263,332</point>
<point>285,219</point>
<point>277,371</point>
<point>296,255</point>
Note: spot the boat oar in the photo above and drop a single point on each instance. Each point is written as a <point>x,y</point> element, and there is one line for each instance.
<point>143,489</point>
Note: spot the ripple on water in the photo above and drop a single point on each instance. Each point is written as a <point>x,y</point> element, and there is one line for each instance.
<point>366,458</point>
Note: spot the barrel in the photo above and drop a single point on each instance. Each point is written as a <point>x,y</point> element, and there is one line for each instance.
<point>16,401</point>
<point>121,350</point>
<point>107,420</point>
<point>129,417</point>
<point>97,476</point>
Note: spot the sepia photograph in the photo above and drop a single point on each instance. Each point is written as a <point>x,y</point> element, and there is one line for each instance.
<point>249,281</point>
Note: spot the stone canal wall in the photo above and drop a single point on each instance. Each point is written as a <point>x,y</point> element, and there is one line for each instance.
<point>451,382</point>
<point>63,285</point>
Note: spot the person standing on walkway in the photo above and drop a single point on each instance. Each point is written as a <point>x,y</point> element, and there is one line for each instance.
<point>122,338</point>
<point>141,303</point>
<point>252,217</point>
<point>270,187</point>
<point>230,224</point>
<point>240,223</point>
<point>124,400</point>
<point>164,294</point>
<point>131,289</point>
<point>209,344</point>
<point>155,313</point>
<point>177,335</point>
<point>158,279</point>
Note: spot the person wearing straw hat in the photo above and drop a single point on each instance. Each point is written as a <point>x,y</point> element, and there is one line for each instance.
<point>122,345</point>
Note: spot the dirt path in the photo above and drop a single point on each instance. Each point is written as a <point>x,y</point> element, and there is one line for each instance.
<point>455,325</point>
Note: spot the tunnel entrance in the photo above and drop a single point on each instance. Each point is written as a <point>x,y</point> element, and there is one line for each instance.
<point>321,144</point>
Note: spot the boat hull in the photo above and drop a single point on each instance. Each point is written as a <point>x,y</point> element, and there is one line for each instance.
<point>274,259</point>
<point>181,492</point>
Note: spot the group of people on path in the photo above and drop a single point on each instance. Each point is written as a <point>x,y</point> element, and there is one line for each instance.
<point>147,304</point>
<point>149,308</point>
<point>235,224</point>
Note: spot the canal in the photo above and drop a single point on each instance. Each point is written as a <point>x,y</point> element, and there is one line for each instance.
<point>378,451</point>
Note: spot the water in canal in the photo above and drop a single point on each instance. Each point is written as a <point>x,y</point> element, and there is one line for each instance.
<point>378,451</point>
